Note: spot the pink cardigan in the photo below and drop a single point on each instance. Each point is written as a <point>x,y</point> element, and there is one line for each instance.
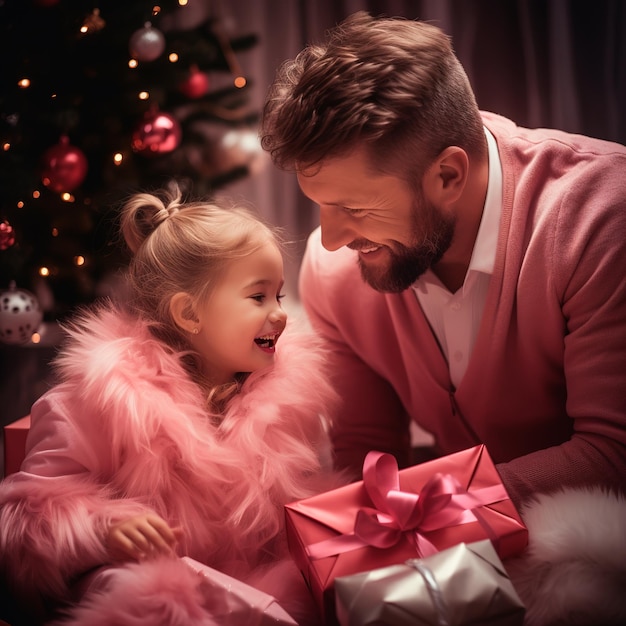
<point>545,388</point>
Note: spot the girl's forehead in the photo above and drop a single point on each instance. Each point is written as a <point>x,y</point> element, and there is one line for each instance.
<point>263,261</point>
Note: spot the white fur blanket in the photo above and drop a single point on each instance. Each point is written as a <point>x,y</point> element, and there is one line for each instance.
<point>574,570</point>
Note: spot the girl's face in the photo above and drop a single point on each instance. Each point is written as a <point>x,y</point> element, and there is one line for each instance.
<point>242,318</point>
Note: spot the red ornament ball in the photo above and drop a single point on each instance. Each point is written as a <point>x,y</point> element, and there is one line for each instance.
<point>64,167</point>
<point>195,85</point>
<point>7,236</point>
<point>147,43</point>
<point>20,315</point>
<point>158,133</point>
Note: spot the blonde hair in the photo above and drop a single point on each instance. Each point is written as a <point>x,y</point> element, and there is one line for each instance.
<point>185,247</point>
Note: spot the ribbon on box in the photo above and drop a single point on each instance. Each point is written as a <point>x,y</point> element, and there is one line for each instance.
<point>434,591</point>
<point>442,503</point>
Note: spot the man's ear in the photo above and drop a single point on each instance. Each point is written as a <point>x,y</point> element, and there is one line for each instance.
<point>182,311</point>
<point>445,180</point>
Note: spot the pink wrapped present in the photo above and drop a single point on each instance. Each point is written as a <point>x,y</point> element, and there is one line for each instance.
<point>392,516</point>
<point>15,444</point>
<point>234,603</point>
<point>462,585</point>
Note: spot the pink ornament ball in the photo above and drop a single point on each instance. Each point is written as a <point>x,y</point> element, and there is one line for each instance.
<point>195,85</point>
<point>7,235</point>
<point>64,167</point>
<point>20,315</point>
<point>157,134</point>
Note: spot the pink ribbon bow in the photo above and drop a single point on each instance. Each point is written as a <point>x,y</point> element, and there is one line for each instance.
<point>443,502</point>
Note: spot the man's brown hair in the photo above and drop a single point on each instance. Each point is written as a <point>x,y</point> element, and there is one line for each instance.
<point>391,85</point>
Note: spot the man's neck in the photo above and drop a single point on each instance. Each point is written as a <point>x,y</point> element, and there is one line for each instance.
<point>452,276</point>
<point>452,268</point>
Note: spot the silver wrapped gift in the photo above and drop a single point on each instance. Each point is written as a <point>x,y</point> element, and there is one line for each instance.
<point>464,584</point>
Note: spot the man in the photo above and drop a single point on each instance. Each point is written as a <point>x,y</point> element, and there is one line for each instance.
<point>468,274</point>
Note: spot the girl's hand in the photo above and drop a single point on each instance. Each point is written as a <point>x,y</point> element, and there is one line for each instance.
<point>141,537</point>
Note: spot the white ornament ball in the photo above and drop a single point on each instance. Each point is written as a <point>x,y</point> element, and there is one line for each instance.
<point>147,43</point>
<point>20,315</point>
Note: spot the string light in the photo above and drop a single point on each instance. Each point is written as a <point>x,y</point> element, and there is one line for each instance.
<point>20,204</point>
<point>55,232</point>
<point>6,146</point>
<point>79,260</point>
<point>36,338</point>
<point>67,197</point>
<point>118,157</point>
<point>132,63</point>
<point>240,82</point>
<point>36,193</point>
<point>143,95</point>
<point>173,57</point>
<point>93,23</point>
<point>24,83</point>
<point>44,271</point>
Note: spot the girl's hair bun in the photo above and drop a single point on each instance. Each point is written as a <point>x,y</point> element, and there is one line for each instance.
<point>144,212</point>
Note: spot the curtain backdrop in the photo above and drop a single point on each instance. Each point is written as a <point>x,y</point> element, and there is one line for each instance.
<point>552,63</point>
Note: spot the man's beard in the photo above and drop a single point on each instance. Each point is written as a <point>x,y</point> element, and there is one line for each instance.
<point>407,264</point>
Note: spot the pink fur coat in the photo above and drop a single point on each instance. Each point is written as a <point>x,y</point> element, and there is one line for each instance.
<point>125,432</point>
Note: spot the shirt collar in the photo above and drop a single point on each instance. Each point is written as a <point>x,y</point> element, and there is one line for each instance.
<point>484,253</point>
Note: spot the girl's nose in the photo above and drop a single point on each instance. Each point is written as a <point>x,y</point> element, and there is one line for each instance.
<point>278,316</point>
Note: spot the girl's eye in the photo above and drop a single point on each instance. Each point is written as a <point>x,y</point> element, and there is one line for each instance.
<point>261,297</point>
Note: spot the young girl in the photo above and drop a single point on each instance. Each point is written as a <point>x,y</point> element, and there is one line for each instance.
<point>185,418</point>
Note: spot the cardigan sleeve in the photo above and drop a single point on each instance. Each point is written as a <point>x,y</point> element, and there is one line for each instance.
<point>587,261</point>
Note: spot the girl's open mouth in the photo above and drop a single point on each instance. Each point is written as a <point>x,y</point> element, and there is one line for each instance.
<point>267,343</point>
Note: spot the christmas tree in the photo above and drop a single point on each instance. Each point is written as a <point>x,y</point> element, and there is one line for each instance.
<point>98,100</point>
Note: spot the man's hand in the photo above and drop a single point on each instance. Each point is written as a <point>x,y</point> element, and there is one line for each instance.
<point>141,537</point>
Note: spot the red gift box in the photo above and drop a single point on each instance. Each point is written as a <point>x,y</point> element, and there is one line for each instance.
<point>374,523</point>
<point>15,444</point>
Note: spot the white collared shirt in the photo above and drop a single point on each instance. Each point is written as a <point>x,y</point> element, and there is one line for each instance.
<point>455,318</point>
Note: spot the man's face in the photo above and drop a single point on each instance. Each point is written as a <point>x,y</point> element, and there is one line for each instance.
<point>397,234</point>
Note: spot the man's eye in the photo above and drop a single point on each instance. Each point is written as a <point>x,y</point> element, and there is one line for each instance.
<point>354,211</point>
<point>259,297</point>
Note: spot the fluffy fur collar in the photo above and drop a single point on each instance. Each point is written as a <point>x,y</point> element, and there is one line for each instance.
<point>141,390</point>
